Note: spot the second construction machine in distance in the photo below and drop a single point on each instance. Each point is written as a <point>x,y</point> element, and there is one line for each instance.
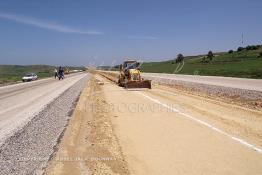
<point>130,76</point>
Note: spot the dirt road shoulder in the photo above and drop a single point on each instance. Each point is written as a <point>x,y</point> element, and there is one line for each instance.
<point>89,145</point>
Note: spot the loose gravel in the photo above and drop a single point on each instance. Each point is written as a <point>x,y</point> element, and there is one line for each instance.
<point>28,151</point>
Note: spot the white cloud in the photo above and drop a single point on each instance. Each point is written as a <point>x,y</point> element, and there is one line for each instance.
<point>46,24</point>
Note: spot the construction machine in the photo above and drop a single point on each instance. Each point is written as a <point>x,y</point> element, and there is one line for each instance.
<point>130,76</point>
<point>67,71</point>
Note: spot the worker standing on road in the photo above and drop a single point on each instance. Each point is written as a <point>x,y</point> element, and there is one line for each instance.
<point>61,73</point>
<point>56,73</point>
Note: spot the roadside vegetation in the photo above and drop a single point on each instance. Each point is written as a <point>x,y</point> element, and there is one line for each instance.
<point>244,62</point>
<point>14,73</point>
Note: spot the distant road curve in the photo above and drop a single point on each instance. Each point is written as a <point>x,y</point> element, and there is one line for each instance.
<point>240,83</point>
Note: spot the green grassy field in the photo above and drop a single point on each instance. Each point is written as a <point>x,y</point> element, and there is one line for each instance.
<point>244,64</point>
<point>13,73</point>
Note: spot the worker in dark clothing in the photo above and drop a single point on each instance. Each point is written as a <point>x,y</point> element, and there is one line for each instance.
<point>60,73</point>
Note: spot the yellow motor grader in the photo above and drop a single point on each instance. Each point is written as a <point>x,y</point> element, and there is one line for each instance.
<point>67,71</point>
<point>130,76</point>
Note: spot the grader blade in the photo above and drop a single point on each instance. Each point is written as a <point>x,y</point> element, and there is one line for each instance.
<point>138,84</point>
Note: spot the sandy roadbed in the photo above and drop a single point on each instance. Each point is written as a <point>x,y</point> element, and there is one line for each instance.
<point>89,145</point>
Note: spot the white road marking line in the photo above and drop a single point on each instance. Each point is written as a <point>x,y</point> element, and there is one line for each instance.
<point>241,141</point>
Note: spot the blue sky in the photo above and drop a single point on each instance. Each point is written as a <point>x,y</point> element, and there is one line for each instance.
<point>82,32</point>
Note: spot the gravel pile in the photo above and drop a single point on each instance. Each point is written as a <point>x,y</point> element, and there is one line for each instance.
<point>210,89</point>
<point>28,151</point>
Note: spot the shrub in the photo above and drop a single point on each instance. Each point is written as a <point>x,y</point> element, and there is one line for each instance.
<point>249,47</point>
<point>253,47</point>
<point>210,55</point>
<point>204,60</point>
<point>260,54</point>
<point>179,58</point>
<point>240,49</point>
<point>230,51</point>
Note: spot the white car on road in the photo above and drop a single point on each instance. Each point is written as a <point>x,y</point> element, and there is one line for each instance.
<point>29,77</point>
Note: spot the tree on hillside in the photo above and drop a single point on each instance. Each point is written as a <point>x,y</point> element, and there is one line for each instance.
<point>249,47</point>
<point>230,51</point>
<point>252,47</point>
<point>255,47</point>
<point>179,58</point>
<point>240,49</point>
<point>210,55</point>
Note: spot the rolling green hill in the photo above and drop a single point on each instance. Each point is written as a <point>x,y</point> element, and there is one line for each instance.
<point>244,64</point>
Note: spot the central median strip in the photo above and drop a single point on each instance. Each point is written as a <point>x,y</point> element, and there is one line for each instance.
<point>239,140</point>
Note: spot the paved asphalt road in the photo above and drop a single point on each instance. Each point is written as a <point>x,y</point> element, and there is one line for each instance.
<point>20,102</point>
